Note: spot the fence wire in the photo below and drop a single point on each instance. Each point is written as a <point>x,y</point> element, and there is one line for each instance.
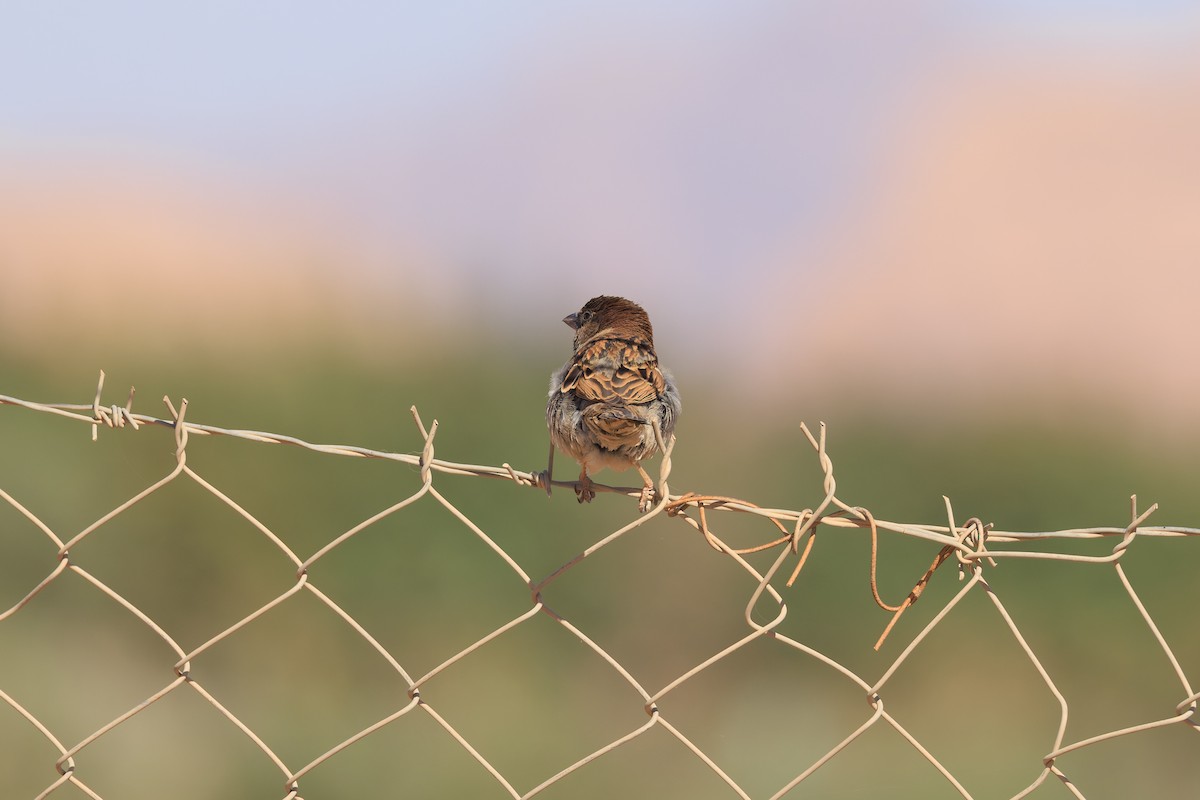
<point>971,546</point>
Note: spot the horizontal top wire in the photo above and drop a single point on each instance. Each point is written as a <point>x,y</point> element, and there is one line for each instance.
<point>115,416</point>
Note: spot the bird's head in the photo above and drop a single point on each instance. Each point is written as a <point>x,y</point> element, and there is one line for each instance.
<point>609,315</point>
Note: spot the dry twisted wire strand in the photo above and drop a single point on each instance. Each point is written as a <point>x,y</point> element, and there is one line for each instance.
<point>968,543</point>
<point>118,416</point>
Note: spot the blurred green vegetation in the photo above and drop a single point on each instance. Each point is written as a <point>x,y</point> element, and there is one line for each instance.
<point>659,600</point>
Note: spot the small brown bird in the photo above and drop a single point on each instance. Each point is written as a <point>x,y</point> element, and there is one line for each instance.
<point>605,400</point>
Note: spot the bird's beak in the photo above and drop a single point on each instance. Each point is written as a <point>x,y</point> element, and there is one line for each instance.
<point>571,321</point>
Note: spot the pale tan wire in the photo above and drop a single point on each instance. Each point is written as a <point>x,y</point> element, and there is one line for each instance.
<point>974,546</point>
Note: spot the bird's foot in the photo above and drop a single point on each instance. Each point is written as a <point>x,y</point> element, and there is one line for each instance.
<point>647,499</point>
<point>648,492</point>
<point>583,489</point>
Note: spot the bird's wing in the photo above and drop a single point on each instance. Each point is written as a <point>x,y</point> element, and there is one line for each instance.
<point>615,371</point>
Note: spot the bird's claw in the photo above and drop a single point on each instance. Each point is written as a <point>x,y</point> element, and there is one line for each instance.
<point>648,493</point>
<point>646,500</point>
<point>584,492</point>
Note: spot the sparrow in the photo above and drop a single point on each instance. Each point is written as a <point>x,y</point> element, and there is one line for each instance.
<point>605,401</point>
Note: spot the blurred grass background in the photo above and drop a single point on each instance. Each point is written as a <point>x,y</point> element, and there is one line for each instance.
<point>962,234</point>
<point>659,600</point>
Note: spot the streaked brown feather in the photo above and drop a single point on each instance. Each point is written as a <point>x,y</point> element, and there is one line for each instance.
<point>610,402</point>
<point>612,428</point>
<point>615,371</point>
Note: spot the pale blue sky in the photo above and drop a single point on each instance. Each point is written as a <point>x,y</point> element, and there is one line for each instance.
<point>525,139</point>
<point>148,70</point>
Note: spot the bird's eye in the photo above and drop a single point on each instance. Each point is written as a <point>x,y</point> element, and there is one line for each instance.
<point>584,316</point>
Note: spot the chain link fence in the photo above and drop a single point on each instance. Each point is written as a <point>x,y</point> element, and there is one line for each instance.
<point>460,684</point>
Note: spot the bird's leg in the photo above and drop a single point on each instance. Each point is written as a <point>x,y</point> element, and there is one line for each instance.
<point>647,497</point>
<point>548,475</point>
<point>583,490</point>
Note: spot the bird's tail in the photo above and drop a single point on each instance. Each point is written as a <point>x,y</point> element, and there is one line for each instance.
<point>614,427</point>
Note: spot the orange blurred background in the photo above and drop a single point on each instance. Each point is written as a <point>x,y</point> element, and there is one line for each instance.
<point>928,204</point>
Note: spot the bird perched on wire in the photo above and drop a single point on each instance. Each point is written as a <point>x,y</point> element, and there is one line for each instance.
<point>606,400</point>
